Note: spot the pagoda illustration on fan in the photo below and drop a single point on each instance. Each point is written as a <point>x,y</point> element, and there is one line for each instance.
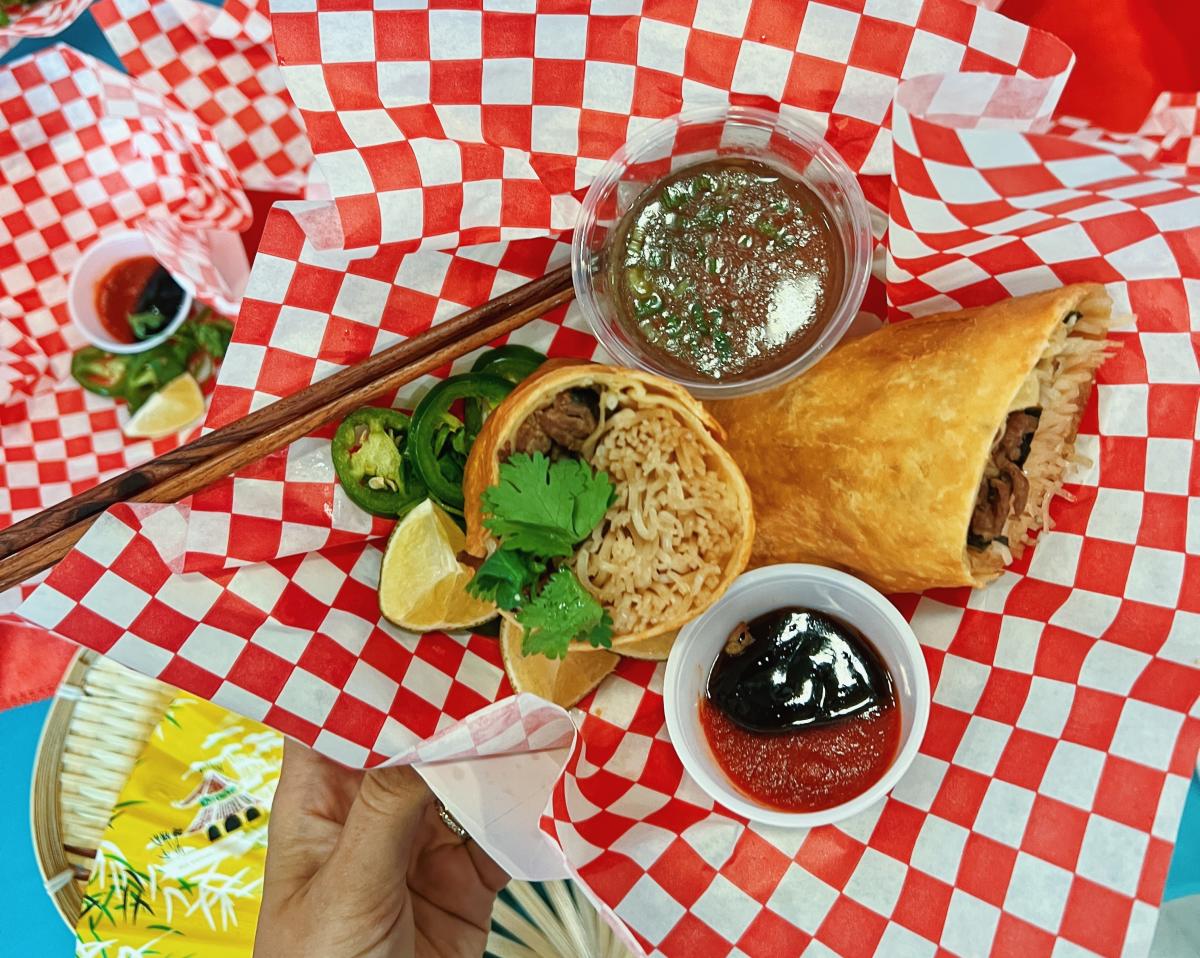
<point>225,806</point>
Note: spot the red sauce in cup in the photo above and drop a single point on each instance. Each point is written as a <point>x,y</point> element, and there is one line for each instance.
<point>800,711</point>
<point>118,292</point>
<point>804,771</point>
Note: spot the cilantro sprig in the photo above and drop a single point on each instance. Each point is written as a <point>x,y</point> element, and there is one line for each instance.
<point>506,578</point>
<point>540,511</point>
<point>546,508</point>
<point>563,610</point>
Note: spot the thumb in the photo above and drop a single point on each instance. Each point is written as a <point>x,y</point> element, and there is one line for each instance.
<point>376,842</point>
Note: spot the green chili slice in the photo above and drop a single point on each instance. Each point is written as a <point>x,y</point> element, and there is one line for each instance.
<point>100,372</point>
<point>148,372</point>
<point>368,456</point>
<point>512,362</point>
<point>429,445</point>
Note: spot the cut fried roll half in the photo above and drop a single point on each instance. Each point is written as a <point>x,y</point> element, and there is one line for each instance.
<point>927,453</point>
<point>679,526</point>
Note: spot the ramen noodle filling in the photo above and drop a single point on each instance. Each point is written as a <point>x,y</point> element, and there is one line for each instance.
<point>664,543</point>
<point>1036,443</point>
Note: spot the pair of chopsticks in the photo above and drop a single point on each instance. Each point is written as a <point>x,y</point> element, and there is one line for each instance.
<point>36,543</point>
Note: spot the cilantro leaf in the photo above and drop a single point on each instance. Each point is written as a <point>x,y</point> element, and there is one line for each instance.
<point>592,502</point>
<point>563,610</point>
<point>546,508</point>
<point>214,336</point>
<point>542,540</point>
<point>505,578</point>
<point>144,325</point>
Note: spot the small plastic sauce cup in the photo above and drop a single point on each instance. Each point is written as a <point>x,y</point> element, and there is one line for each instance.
<point>91,268</point>
<point>772,587</point>
<point>788,144</point>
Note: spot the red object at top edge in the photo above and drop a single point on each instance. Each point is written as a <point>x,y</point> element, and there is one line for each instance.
<point>1127,52</point>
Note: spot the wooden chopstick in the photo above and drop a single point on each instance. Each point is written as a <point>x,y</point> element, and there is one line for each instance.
<point>36,543</point>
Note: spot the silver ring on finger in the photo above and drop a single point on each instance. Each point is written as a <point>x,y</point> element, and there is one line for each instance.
<point>450,821</point>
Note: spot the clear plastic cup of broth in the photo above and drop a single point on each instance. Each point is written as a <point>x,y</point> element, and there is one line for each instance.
<point>726,248</point>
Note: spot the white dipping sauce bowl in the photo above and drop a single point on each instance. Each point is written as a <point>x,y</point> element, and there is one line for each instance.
<point>91,268</point>
<point>844,597</point>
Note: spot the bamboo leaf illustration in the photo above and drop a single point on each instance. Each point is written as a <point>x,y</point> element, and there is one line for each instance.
<point>140,902</point>
<point>101,906</point>
<point>139,876</point>
<point>120,807</point>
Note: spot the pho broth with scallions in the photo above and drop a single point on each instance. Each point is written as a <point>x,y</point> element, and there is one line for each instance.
<point>726,269</point>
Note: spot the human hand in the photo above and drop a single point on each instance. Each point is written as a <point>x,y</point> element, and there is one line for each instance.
<point>360,865</point>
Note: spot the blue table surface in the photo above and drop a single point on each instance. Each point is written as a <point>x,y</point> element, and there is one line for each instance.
<point>40,931</point>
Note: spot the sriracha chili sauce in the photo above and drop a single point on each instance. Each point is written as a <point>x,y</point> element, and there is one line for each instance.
<point>118,292</point>
<point>800,711</point>
<point>804,771</point>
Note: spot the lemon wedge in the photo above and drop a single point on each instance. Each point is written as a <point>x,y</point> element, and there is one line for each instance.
<point>422,585</point>
<point>656,648</point>
<point>562,681</point>
<point>176,406</point>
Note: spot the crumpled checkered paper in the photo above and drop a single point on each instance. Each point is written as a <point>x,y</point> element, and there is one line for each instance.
<point>40,19</point>
<point>1040,814</point>
<point>83,150</point>
<point>218,63</point>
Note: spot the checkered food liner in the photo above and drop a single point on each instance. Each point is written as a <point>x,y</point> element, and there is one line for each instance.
<point>1040,813</point>
<point>40,19</point>
<point>218,63</point>
<point>83,150</point>
<point>375,302</point>
<point>444,127</point>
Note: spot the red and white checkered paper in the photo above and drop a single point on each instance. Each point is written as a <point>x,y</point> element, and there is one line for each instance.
<point>41,19</point>
<point>1174,127</point>
<point>218,64</point>
<point>1040,813</point>
<point>83,150</point>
